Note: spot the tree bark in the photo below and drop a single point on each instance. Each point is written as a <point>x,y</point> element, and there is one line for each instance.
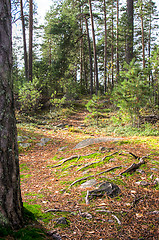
<point>10,194</point>
<point>130,27</point>
<point>112,50</point>
<point>117,41</point>
<point>30,39</point>
<point>90,56</point>
<point>24,41</point>
<point>143,44</point>
<point>94,48</point>
<point>105,47</point>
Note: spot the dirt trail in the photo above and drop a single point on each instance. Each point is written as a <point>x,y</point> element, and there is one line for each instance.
<point>43,185</point>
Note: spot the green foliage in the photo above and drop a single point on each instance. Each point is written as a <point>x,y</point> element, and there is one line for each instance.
<point>95,107</point>
<point>29,97</point>
<point>133,92</point>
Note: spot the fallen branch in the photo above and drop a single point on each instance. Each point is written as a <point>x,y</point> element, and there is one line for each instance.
<point>133,167</point>
<point>118,221</point>
<point>56,210</point>
<point>95,175</point>
<point>65,160</point>
<point>107,211</point>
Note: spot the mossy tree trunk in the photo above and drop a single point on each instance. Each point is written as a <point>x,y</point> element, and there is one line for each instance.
<point>10,194</point>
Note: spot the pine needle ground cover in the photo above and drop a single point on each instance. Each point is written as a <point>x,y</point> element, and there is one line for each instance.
<point>52,175</point>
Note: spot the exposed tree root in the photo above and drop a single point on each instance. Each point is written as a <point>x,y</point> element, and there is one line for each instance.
<point>90,164</point>
<point>135,166</point>
<point>70,158</point>
<point>65,160</point>
<point>95,175</point>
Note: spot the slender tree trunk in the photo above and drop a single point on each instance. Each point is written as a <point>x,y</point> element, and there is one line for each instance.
<point>105,47</point>
<point>81,51</point>
<point>112,50</point>
<point>10,194</point>
<point>24,41</point>
<point>149,49</point>
<point>130,28</point>
<point>117,40</point>
<point>90,56</point>
<point>30,39</point>
<point>143,44</point>
<point>94,48</point>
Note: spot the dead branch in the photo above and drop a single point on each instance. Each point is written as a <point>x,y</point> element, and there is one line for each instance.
<point>118,221</point>
<point>56,210</point>
<point>95,175</point>
<point>133,167</point>
<point>65,160</point>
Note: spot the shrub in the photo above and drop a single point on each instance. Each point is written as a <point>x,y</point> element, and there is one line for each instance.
<point>29,97</point>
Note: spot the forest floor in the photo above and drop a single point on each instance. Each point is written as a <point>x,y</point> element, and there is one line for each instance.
<point>47,191</point>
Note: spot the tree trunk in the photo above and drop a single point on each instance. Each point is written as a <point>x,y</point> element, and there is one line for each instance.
<point>143,44</point>
<point>130,27</point>
<point>117,40</point>
<point>149,48</point>
<point>105,47</point>
<point>112,50</point>
<point>10,194</point>
<point>30,39</point>
<point>94,48</point>
<point>24,41</point>
<point>90,56</point>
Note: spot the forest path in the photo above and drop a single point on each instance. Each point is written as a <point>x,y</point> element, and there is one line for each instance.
<point>48,185</point>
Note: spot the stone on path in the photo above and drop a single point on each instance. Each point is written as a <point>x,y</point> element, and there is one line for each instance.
<point>62,220</point>
<point>111,189</point>
<point>24,145</point>
<point>89,183</point>
<point>21,138</point>
<point>91,141</point>
<point>43,141</point>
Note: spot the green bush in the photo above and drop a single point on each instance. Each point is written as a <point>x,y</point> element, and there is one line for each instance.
<point>133,92</point>
<point>29,97</point>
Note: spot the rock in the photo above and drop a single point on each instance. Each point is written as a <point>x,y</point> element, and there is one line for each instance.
<point>61,125</point>
<point>102,149</point>
<point>142,183</point>
<point>25,145</point>
<point>86,215</point>
<point>112,160</point>
<point>140,171</point>
<point>62,220</point>
<point>62,148</point>
<point>21,138</point>
<point>91,141</point>
<point>154,169</point>
<point>156,181</point>
<point>89,183</point>
<point>111,189</point>
<point>54,235</point>
<point>43,141</point>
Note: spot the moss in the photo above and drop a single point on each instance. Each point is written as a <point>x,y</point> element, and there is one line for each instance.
<point>29,233</point>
